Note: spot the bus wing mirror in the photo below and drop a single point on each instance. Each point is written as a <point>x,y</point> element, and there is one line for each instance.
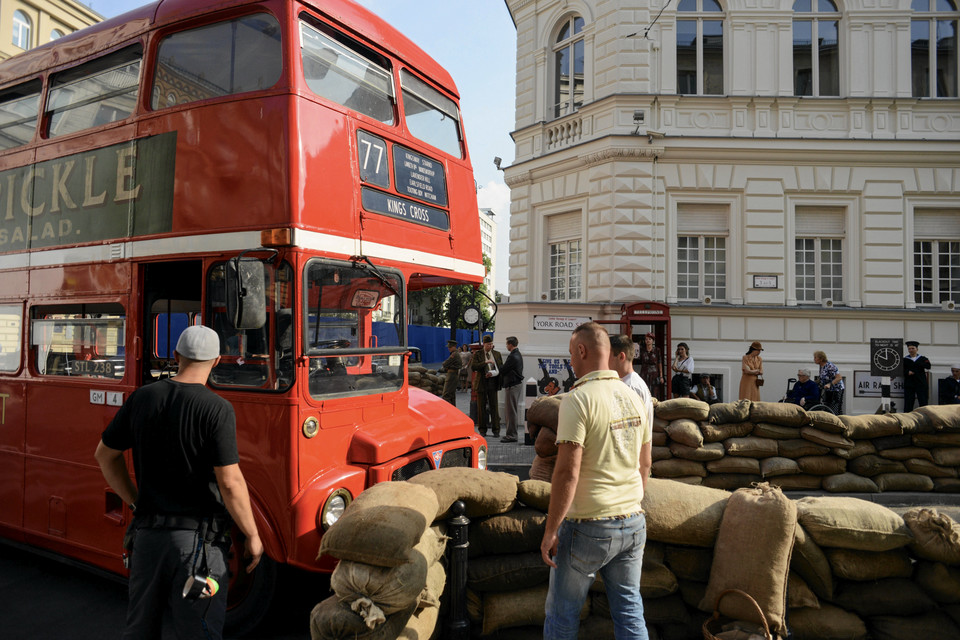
<point>246,296</point>
<point>415,355</point>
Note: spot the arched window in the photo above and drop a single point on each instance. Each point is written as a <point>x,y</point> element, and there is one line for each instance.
<point>816,57</point>
<point>21,29</point>
<point>568,67</point>
<point>700,47</point>
<point>56,34</point>
<point>933,48</point>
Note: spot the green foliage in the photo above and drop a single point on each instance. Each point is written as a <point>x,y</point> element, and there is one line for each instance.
<point>445,305</point>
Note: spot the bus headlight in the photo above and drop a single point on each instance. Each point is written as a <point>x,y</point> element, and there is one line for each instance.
<point>333,508</point>
<point>482,457</point>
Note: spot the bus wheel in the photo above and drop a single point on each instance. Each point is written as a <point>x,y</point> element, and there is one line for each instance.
<point>250,594</point>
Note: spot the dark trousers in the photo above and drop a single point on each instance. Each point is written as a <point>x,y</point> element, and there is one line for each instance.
<point>488,405</point>
<point>160,562</point>
<point>914,392</point>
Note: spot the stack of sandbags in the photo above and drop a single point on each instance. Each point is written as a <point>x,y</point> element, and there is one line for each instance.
<point>426,379</point>
<point>733,445</point>
<point>542,417</point>
<point>389,579</point>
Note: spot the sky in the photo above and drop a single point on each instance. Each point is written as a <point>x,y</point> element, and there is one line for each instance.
<point>475,41</point>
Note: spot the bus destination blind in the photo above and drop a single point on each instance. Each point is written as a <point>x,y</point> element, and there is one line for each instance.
<point>404,209</point>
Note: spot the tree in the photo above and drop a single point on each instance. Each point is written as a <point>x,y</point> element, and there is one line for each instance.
<point>445,305</point>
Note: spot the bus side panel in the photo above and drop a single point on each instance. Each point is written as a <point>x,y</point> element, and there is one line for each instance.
<point>239,184</point>
<point>12,422</point>
<point>66,496</point>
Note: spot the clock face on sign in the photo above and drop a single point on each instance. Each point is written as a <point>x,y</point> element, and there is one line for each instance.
<point>886,359</point>
<point>471,315</point>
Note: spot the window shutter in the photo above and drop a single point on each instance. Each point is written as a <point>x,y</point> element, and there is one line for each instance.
<point>819,221</point>
<point>563,226</point>
<point>702,219</point>
<point>934,224</point>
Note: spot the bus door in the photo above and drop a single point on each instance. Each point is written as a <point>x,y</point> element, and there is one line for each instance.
<point>171,303</point>
<point>12,419</point>
<point>78,358</point>
<point>638,319</point>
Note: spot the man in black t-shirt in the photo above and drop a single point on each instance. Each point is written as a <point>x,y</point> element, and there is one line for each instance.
<point>189,485</point>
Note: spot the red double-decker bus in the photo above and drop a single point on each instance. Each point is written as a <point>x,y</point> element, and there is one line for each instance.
<point>284,172</point>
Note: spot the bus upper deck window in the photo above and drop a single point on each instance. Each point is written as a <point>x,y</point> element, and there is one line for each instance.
<point>19,107</point>
<point>346,72</point>
<point>216,60</point>
<point>95,93</point>
<point>430,116</point>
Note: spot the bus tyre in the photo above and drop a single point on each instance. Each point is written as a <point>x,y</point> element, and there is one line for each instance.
<point>250,594</point>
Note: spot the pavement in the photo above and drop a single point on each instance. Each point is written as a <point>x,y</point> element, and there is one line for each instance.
<point>511,457</point>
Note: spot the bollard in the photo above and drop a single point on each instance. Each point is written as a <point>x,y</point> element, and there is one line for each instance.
<point>458,624</point>
<point>528,402</point>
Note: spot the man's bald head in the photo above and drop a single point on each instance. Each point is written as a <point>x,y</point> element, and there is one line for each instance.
<point>589,349</point>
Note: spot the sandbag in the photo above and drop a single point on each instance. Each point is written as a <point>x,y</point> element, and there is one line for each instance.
<point>777,466</point>
<point>905,453</point>
<point>331,620</point>
<point>382,525</point>
<point>946,485</point>
<point>946,456</point>
<point>942,417</point>
<point>783,413</point>
<point>775,431</point>
<point>421,624</point>
<point>798,448</point>
<point>903,482</point>
<point>811,564</point>
<point>892,442</point>
<point>928,468</point>
<point>541,469</point>
<point>518,531</point>
<point>730,481</point>
<point>676,467</point>
<point>822,465</point>
<point>659,424</point>
<point>660,453</point>
<point>659,439</point>
<point>676,408</point>
<point>936,536</point>
<point>752,554</point>
<point>484,492</point>
<point>799,593</point>
<point>535,494</point>
<point>677,513</point>
<point>940,582</point>
<point>507,572</point>
<point>937,439</point>
<point>870,426</point>
<point>914,422</point>
<point>731,464</point>
<point>893,596</point>
<point>657,581</point>
<point>720,432</point>
<point>685,432</point>
<point>751,447</point>
<point>825,438</point>
<point>849,483</point>
<point>860,448</point>
<point>729,412</point>
<point>518,608</point>
<point>826,421</point>
<point>872,465</point>
<point>545,411</point>
<point>801,481</point>
<point>848,564</point>
<point>373,590</point>
<point>709,451</point>
<point>688,479</point>
<point>826,623</point>
<point>933,624</point>
<point>850,523</point>
<point>689,563</point>
<point>668,610</point>
<point>545,443</point>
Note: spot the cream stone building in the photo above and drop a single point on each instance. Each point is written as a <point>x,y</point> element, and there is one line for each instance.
<point>25,25</point>
<point>785,171</point>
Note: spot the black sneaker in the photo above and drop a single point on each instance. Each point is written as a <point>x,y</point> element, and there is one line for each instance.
<point>507,439</point>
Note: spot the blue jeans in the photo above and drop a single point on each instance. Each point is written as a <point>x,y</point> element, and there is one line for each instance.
<point>614,548</point>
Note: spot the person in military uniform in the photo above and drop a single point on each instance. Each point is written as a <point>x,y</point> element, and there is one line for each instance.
<point>451,366</point>
<point>487,363</point>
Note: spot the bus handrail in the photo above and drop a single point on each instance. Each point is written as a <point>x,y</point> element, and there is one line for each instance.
<point>358,351</point>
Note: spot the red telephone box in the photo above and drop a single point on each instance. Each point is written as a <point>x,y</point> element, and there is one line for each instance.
<point>637,319</point>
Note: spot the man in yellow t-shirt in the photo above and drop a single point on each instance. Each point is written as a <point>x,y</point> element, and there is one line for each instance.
<point>604,440</point>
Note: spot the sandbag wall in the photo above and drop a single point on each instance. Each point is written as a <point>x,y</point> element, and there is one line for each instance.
<point>732,445</point>
<point>427,379</point>
<point>827,567</point>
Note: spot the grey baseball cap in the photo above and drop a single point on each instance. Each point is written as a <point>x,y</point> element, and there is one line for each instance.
<point>198,342</point>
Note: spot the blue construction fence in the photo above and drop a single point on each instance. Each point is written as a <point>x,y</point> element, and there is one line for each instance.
<point>432,341</point>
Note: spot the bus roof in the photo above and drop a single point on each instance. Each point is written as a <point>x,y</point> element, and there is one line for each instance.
<point>109,33</point>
